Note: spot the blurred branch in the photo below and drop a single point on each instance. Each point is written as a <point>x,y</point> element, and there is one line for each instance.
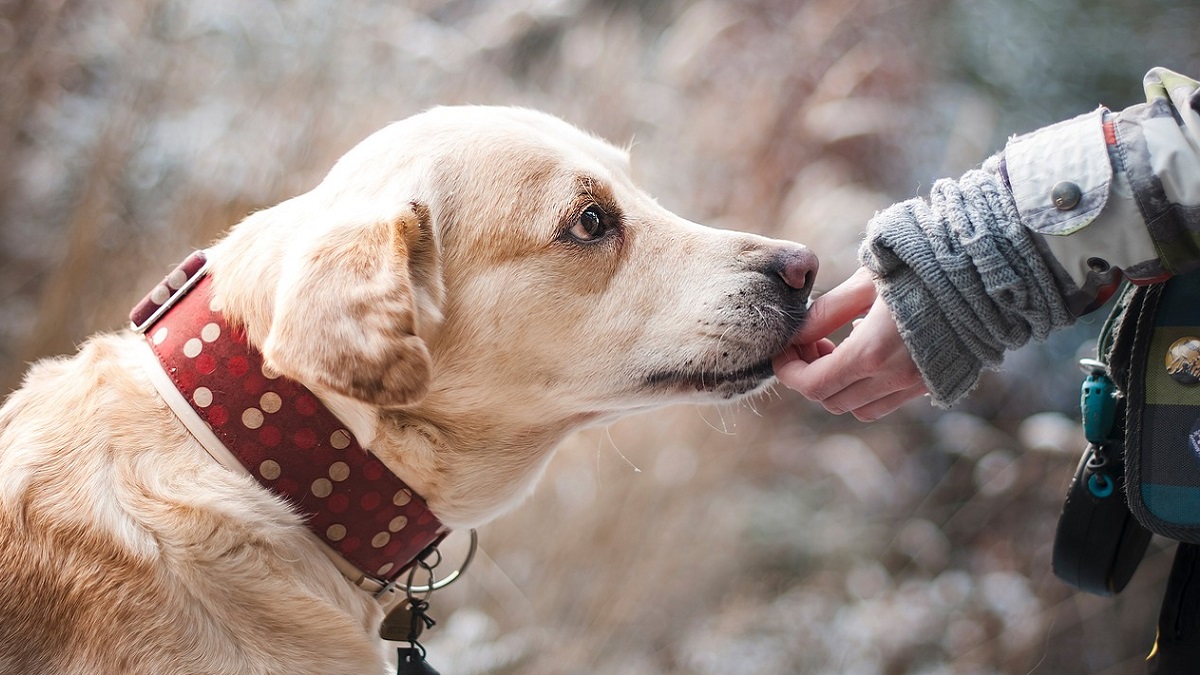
<point>94,207</point>
<point>32,70</point>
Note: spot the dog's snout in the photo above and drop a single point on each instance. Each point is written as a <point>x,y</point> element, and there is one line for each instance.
<point>797,266</point>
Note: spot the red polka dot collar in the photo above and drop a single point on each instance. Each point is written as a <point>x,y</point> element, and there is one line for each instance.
<point>281,433</point>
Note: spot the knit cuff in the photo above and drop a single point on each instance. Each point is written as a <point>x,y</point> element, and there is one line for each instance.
<point>963,278</point>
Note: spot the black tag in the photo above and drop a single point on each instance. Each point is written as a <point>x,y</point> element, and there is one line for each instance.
<point>412,662</point>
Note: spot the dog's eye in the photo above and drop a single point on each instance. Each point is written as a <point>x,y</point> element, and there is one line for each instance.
<point>590,225</point>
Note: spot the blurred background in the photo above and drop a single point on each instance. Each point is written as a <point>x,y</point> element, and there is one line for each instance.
<point>762,538</point>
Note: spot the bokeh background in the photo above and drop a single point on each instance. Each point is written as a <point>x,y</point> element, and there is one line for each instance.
<point>763,538</point>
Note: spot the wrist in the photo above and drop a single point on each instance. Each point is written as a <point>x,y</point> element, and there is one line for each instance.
<point>963,279</point>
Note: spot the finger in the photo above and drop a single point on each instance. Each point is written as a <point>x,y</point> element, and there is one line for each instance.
<point>789,369</point>
<point>811,351</point>
<point>838,307</point>
<point>887,405</point>
<point>824,347</point>
<point>791,353</point>
<point>864,393</point>
<point>820,379</point>
<point>807,352</point>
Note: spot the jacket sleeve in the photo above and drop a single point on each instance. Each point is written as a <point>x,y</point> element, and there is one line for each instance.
<point>1041,233</point>
<point>1111,194</point>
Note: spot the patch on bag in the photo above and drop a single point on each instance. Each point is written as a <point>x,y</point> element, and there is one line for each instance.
<point>1173,385</point>
<point>1183,360</point>
<point>1194,438</point>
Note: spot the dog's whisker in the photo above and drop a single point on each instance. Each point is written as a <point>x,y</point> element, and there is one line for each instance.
<point>723,429</point>
<point>612,444</point>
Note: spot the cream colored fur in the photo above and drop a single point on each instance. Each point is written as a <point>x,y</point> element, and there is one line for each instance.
<point>435,293</point>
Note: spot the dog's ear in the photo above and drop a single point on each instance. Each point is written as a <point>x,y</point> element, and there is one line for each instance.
<point>351,305</point>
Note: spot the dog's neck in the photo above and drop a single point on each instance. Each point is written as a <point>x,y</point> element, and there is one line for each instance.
<point>277,431</point>
<point>470,473</point>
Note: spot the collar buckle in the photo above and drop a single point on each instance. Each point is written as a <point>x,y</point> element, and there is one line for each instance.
<point>168,291</point>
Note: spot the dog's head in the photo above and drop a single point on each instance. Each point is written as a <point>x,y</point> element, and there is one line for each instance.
<point>483,280</point>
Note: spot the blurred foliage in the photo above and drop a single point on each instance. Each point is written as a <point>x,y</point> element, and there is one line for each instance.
<point>767,538</point>
<point>1039,61</point>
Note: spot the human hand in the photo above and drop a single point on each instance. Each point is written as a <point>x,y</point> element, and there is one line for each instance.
<point>870,374</point>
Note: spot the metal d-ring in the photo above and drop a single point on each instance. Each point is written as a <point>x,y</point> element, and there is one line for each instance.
<point>434,585</point>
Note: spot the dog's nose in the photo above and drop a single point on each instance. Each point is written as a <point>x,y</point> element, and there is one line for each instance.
<point>797,266</point>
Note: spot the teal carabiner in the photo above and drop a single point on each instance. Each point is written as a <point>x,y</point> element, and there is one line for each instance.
<point>1098,402</point>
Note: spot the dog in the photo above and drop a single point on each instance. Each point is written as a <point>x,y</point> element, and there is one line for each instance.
<point>465,288</point>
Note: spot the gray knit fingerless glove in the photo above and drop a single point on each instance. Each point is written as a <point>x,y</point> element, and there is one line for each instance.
<point>963,279</point>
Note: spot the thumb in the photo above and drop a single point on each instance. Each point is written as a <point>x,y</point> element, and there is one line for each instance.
<point>841,305</point>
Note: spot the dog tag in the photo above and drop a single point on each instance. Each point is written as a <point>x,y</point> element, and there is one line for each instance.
<point>401,625</point>
<point>412,662</point>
